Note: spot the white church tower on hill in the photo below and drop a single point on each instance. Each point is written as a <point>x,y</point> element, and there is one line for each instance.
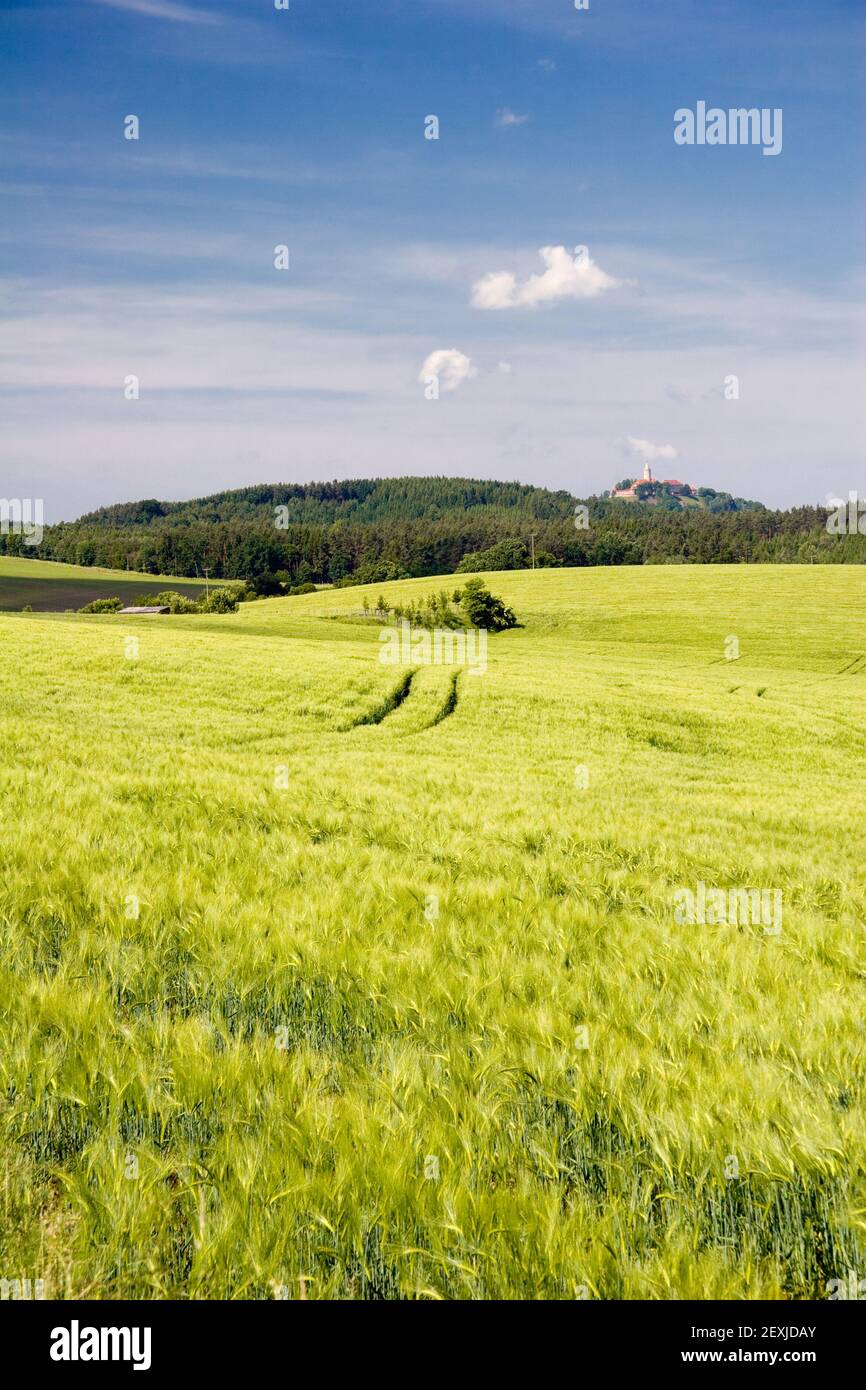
<point>648,474</point>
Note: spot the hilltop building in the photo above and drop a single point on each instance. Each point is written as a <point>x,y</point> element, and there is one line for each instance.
<point>629,494</point>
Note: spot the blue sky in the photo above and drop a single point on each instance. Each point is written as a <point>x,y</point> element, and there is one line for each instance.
<point>259,127</point>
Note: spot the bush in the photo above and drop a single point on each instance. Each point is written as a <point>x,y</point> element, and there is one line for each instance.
<point>240,590</point>
<point>266,585</point>
<point>434,611</point>
<point>170,599</point>
<point>103,605</point>
<point>219,601</point>
<point>482,609</point>
<point>471,606</point>
<point>298,589</point>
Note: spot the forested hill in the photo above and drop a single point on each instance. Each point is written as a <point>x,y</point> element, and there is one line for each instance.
<point>357,500</point>
<point>375,530</point>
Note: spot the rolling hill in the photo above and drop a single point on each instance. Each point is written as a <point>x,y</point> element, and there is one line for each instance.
<point>353,501</point>
<point>367,531</point>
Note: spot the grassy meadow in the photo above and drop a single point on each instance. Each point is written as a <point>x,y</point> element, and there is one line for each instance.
<point>50,587</point>
<point>306,996</point>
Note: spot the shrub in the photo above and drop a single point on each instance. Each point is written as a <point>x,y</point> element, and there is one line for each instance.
<point>219,601</point>
<point>223,599</point>
<point>241,590</point>
<point>482,609</point>
<point>436,611</point>
<point>471,606</point>
<point>103,605</point>
<point>266,585</point>
<point>170,599</point>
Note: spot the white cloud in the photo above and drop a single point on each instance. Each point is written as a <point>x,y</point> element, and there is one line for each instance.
<point>546,64</point>
<point>163,9</point>
<point>566,277</point>
<point>505,117</point>
<point>450,366</point>
<point>498,290</point>
<point>505,369</point>
<point>241,371</point>
<point>651,453</point>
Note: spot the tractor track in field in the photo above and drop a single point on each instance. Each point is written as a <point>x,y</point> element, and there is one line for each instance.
<point>855,667</point>
<point>449,706</point>
<point>399,695</point>
<point>389,704</point>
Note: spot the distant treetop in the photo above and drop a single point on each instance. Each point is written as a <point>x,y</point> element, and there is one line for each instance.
<point>355,500</point>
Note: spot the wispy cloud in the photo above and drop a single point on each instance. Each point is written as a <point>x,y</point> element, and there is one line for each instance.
<point>651,453</point>
<point>506,118</point>
<point>164,9</point>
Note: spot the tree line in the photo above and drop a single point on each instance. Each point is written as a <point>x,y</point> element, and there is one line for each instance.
<point>371,552</point>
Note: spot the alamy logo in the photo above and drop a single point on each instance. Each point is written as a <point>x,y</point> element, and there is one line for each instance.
<point>76,1343</point>
<point>716,907</point>
<point>851,1289</point>
<point>847,518</point>
<point>737,126</point>
<point>18,1290</point>
<point>23,516</point>
<point>438,646</point>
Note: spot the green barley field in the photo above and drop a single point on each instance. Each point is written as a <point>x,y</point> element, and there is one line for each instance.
<point>306,996</point>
